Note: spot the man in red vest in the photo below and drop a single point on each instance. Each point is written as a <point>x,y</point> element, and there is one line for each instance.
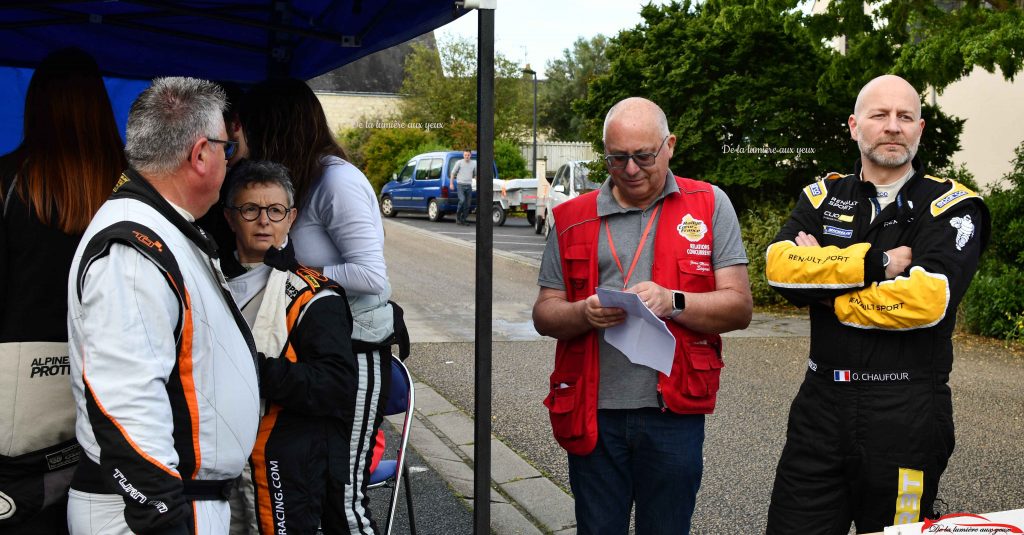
<point>633,433</point>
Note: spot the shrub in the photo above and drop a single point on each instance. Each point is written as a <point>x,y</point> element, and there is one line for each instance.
<point>352,141</point>
<point>759,225</point>
<point>1006,204</point>
<point>387,150</point>
<point>509,161</point>
<point>994,303</point>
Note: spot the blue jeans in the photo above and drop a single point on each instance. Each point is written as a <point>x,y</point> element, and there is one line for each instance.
<point>644,455</point>
<point>465,192</point>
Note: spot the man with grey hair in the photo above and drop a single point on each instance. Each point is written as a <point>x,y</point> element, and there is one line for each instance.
<point>882,258</point>
<point>162,363</point>
<point>635,434</point>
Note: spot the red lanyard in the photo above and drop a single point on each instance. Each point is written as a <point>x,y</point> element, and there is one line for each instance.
<point>639,247</point>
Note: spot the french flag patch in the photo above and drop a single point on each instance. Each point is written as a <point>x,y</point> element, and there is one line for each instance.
<point>841,376</point>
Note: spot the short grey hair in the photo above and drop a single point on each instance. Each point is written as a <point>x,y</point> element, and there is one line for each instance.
<point>168,118</point>
<point>633,103</point>
<point>249,172</point>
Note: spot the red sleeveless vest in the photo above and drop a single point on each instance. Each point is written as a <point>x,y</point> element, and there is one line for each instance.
<point>682,261</point>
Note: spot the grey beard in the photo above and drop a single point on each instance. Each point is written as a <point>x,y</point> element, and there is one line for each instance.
<point>885,160</point>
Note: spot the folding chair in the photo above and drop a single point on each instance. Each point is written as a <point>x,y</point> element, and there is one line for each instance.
<point>402,399</point>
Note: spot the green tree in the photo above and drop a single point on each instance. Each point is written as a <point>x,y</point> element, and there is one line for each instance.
<point>386,150</point>
<point>933,42</point>
<point>440,87</point>
<point>567,79</point>
<point>751,92</point>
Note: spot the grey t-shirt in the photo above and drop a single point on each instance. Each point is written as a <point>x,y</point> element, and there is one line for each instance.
<point>625,385</point>
<point>463,172</point>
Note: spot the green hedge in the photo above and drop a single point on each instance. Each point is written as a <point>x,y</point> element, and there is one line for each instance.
<point>759,225</point>
<point>994,303</point>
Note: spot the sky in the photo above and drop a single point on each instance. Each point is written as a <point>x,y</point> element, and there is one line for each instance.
<point>537,31</point>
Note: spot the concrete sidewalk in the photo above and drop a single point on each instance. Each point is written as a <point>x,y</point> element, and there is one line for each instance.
<point>523,501</point>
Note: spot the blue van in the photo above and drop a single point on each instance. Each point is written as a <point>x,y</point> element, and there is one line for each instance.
<point>422,186</point>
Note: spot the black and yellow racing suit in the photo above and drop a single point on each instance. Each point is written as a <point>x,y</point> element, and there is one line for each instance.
<point>871,429</point>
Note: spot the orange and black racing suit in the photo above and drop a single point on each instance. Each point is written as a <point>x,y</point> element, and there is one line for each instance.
<point>871,429</point>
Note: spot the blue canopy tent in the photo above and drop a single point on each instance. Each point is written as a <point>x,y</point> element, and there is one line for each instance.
<point>247,41</point>
<point>235,40</point>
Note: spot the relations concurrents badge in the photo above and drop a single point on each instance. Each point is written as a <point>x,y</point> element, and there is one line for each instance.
<point>692,229</point>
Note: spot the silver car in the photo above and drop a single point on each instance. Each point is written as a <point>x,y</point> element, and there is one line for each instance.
<point>570,181</point>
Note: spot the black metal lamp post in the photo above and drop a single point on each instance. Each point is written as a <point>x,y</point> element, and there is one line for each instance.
<point>530,72</point>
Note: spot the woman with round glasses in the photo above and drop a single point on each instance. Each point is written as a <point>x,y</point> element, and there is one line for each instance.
<point>302,327</point>
<point>339,229</point>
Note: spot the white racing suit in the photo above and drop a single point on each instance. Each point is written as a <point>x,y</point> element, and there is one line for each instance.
<point>163,369</point>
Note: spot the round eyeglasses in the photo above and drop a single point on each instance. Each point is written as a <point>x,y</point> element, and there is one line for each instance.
<point>251,211</point>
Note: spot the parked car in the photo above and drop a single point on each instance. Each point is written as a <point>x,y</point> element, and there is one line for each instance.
<point>570,181</point>
<point>423,186</point>
<point>514,195</point>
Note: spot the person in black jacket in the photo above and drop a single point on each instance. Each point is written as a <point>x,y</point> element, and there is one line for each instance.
<point>302,324</point>
<point>50,187</point>
<point>882,258</point>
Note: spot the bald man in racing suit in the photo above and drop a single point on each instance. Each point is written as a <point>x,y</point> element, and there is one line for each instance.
<point>882,257</point>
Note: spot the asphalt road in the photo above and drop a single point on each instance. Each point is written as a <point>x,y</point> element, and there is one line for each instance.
<point>433,278</point>
<point>515,236</point>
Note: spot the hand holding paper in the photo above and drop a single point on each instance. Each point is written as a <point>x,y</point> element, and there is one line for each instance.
<point>643,337</point>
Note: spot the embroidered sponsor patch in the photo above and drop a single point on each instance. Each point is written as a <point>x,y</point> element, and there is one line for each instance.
<point>909,489</point>
<point>699,266</point>
<point>964,230</point>
<point>836,216</point>
<point>836,231</point>
<point>842,204</point>
<point>121,181</point>
<point>147,241</point>
<point>312,277</point>
<point>64,457</point>
<point>691,229</point>
<point>699,249</point>
<point>958,192</point>
<point>816,193</point>
<point>941,203</point>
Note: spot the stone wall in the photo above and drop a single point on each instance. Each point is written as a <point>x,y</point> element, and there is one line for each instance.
<point>355,110</point>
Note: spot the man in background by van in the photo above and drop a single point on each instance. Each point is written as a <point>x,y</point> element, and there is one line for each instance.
<point>463,174</point>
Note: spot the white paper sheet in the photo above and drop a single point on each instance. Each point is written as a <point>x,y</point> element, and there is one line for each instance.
<point>643,337</point>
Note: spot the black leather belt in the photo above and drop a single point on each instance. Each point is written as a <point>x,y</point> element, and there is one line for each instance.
<point>88,478</point>
<point>207,489</point>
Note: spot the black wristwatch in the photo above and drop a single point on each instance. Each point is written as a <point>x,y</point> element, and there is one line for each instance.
<point>885,260</point>
<point>678,303</point>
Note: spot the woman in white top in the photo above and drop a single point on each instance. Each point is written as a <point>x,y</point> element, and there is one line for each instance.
<point>339,231</point>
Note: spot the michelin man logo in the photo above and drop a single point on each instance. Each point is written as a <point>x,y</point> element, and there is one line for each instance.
<point>964,230</point>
